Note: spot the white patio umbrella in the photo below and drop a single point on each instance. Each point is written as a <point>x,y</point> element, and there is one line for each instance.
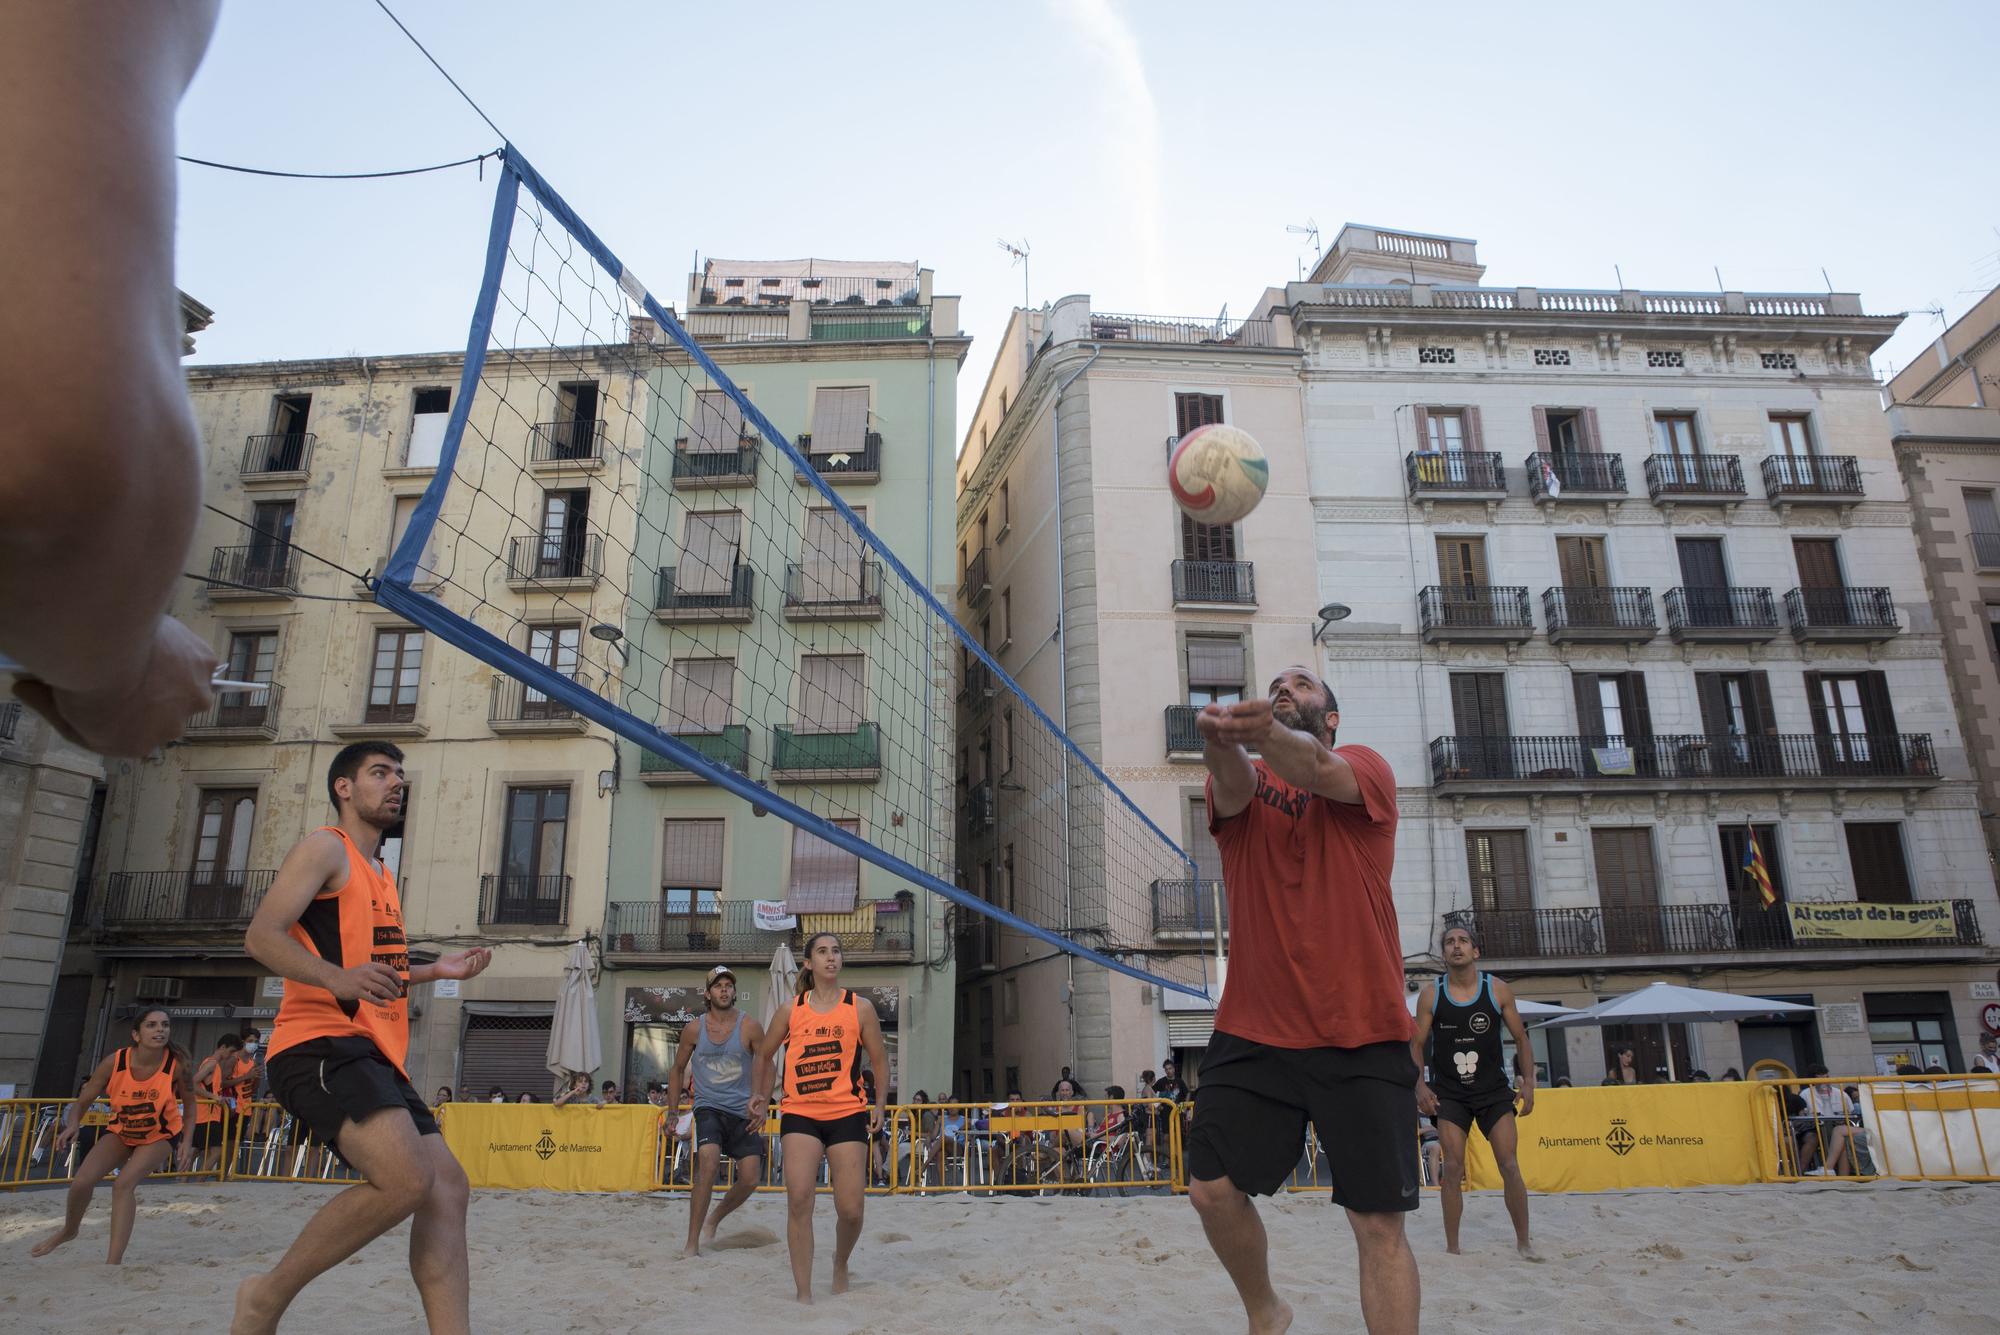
<point>574,1046</point>
<point>778,993</point>
<point>1669,1003</point>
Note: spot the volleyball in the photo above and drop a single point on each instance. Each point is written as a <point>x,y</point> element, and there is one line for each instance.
<point>1218,473</point>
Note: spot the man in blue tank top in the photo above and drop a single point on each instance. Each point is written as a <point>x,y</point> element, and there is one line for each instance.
<point>716,1048</point>
<point>1461,1016</point>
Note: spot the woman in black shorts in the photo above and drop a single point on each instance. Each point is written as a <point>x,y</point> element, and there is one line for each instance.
<point>826,1113</point>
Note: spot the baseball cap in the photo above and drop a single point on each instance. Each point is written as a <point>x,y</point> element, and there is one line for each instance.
<point>719,971</point>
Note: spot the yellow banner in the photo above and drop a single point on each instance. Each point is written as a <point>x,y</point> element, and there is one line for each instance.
<point>1835,922</point>
<point>539,1146</point>
<point>1611,1138</point>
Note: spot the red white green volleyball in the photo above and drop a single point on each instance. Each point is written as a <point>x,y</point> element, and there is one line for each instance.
<point>1218,474</point>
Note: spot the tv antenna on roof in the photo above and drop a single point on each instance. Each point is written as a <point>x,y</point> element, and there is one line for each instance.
<point>1020,254</point>
<point>1311,232</point>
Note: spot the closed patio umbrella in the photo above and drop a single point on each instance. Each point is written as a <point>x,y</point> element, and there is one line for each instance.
<point>1664,1003</point>
<point>574,1046</point>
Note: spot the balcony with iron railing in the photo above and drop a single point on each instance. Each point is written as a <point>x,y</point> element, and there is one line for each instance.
<point>1577,477</point>
<point>1724,615</point>
<point>1185,330</point>
<point>978,684</point>
<point>515,708</point>
<point>536,561</point>
<point>862,464</point>
<point>1599,615</point>
<point>1183,738</point>
<point>833,591</point>
<point>1856,615</point>
<point>1214,583</point>
<point>1697,477</point>
<point>574,444</point>
<point>1455,475</point>
<point>978,583</point>
<point>643,932</point>
<point>261,570</point>
<point>281,457</point>
<point>238,716</point>
<point>1589,933</point>
<point>1189,909</point>
<point>715,595</point>
<point>1784,760</point>
<point>1833,479</point>
<point>1482,612</point>
<point>513,900</point>
<point>1985,549</point>
<point>695,470</point>
<point>728,746</point>
<point>180,902</point>
<point>801,756</point>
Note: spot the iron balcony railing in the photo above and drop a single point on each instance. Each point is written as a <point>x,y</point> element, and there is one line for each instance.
<point>181,899</point>
<point>1668,929</point>
<point>1694,475</point>
<point>822,584</point>
<point>1682,757</point>
<point>1837,609</point>
<point>1580,474</point>
<point>1182,736</point>
<point>1449,471</point>
<point>979,683</point>
<point>576,441</point>
<point>715,465</point>
<point>1732,608</point>
<point>1232,582</point>
<point>1812,475</point>
<point>793,749</point>
<point>977,582</point>
<point>978,943</point>
<point>782,291</point>
<point>1476,607</point>
<point>1599,609</point>
<point>512,900</point>
<point>669,596</point>
<point>515,701</point>
<point>1105,327</point>
<point>536,558</point>
<point>635,927</point>
<point>261,567</point>
<point>256,710</point>
<point>285,452</point>
<point>729,745</point>
<point>10,720</point>
<point>1189,907</point>
<point>834,463</point>
<point>1986,549</point>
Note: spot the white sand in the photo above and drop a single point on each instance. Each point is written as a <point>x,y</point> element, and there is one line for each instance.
<point>1804,1259</point>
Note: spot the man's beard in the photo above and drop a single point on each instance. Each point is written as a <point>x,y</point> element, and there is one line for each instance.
<point>385,816</point>
<point>1308,719</point>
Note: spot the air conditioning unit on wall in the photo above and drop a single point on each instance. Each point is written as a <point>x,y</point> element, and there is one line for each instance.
<point>158,988</point>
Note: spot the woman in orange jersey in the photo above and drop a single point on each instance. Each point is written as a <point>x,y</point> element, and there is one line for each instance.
<point>148,1084</point>
<point>826,1114</point>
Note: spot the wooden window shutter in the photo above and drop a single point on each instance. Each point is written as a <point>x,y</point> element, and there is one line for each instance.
<point>1875,852</point>
<point>1816,704</point>
<point>1474,438</point>
<point>1592,441</point>
<point>1479,704</point>
<point>1762,719</point>
<point>825,877</point>
<point>1638,713</point>
<point>1878,713</point>
<point>692,856</point>
<point>1207,855</point>
<point>1207,542</point>
<point>1422,416</point>
<point>1589,708</point>
<point>1710,694</point>
<point>1193,410</point>
<point>1498,863</point>
<point>1542,431</point>
<point>1582,562</point>
<point>1462,562</point>
<point>1625,877</point>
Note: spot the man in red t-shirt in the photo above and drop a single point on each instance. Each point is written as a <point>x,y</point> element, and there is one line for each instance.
<point>1312,1022</point>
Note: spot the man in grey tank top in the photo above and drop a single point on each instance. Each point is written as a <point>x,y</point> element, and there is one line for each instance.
<point>715,1050</point>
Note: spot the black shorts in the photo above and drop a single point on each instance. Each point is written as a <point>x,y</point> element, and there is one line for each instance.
<point>729,1130</point>
<point>208,1136</point>
<point>849,1130</point>
<point>1250,1119</point>
<point>327,1082</point>
<point>1486,1109</point>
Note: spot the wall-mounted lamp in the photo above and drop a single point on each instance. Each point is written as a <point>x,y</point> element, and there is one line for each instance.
<point>1329,614</point>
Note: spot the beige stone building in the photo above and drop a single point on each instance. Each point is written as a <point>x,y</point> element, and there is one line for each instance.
<point>1944,418</point>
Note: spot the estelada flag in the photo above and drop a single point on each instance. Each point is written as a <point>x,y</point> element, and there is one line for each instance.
<point>1754,868</point>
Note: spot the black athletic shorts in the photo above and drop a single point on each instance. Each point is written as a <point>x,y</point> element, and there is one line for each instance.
<point>849,1130</point>
<point>1486,1109</point>
<point>208,1136</point>
<point>729,1130</point>
<point>1250,1119</point>
<point>327,1082</point>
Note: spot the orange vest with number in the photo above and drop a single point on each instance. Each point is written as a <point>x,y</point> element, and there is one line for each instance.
<point>143,1111</point>
<point>362,920</point>
<point>241,1085</point>
<point>823,1060</point>
<point>204,1110</point>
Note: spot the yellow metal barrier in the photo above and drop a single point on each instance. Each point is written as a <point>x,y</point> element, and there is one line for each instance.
<point>264,1143</point>
<point>1038,1148</point>
<point>28,1130</point>
<point>1942,1128</point>
<point>674,1171</point>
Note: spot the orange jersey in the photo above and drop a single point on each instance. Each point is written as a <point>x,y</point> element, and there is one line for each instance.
<point>241,1085</point>
<point>210,1087</point>
<point>823,1060</point>
<point>362,920</point>
<point>143,1111</point>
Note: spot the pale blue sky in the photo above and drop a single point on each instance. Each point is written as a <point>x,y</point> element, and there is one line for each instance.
<point>1152,154</point>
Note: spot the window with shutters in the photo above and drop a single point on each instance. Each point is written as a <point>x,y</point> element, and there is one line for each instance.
<point>831,692</point>
<point>1819,563</point>
<point>223,823</point>
<point>1791,435</point>
<point>710,542</point>
<point>1567,432</point>
<point>1207,542</point>
<point>1853,719</point>
<point>1757,926</point>
<point>1582,563</point>
<point>1445,430</point>
<point>1628,892</point>
<point>532,851</point>
<point>699,695</point>
<point>826,878</point>
<point>1503,898</point>
<point>556,648</point>
<point>1983,522</point>
<point>691,884</point>
<point>1736,720</point>
<point>1195,907</point>
<point>565,534</point>
<point>1193,410</point>
<point>1875,852</point>
<point>718,426</point>
<point>393,677</point>
<point>1215,669</point>
<point>1480,748</point>
<point>1614,723</point>
<point>1461,561</point>
<point>1676,435</point>
<point>832,566</point>
<point>1006,513</point>
<point>840,420</point>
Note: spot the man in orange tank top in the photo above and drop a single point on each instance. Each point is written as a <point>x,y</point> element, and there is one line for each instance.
<point>215,1096</point>
<point>332,926</point>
